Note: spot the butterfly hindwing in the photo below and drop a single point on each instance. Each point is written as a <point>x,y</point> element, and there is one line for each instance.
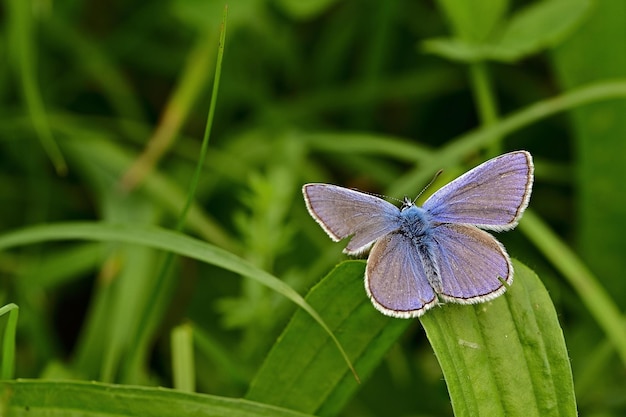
<point>471,263</point>
<point>491,196</point>
<point>395,278</point>
<point>343,212</point>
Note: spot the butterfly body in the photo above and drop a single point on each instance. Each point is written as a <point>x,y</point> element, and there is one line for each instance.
<point>417,227</point>
<point>415,223</point>
<point>438,252</point>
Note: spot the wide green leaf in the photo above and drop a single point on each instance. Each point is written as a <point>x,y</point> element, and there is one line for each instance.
<point>66,399</point>
<point>479,348</point>
<point>303,371</point>
<point>504,357</point>
<point>473,20</point>
<point>541,25</point>
<point>534,28</point>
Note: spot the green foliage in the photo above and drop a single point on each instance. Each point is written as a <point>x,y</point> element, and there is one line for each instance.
<point>599,134</point>
<point>515,337</point>
<point>538,26</point>
<point>517,334</point>
<point>302,372</point>
<point>7,369</point>
<point>103,111</point>
<point>67,399</point>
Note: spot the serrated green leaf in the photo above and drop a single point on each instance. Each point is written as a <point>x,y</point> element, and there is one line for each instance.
<point>303,371</point>
<point>504,357</point>
<point>67,399</point>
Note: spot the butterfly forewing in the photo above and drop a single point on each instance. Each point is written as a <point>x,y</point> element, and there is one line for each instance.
<point>343,212</point>
<point>471,263</point>
<point>395,278</point>
<point>491,196</point>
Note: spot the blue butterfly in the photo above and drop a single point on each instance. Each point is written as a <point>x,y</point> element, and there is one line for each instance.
<point>437,252</point>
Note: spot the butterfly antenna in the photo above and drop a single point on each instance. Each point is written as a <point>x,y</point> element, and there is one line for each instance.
<point>381,196</point>
<point>437,174</point>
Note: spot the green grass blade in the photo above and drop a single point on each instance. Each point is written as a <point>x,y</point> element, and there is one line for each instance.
<point>598,133</point>
<point>302,371</point>
<point>166,240</point>
<point>368,144</point>
<point>7,365</point>
<point>163,280</point>
<point>457,149</point>
<point>594,296</point>
<point>505,357</point>
<point>190,84</point>
<point>183,358</point>
<point>22,37</point>
<point>88,399</point>
<point>95,150</point>
<point>209,124</point>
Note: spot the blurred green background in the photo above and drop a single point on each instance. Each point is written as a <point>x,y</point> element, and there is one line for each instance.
<point>103,109</point>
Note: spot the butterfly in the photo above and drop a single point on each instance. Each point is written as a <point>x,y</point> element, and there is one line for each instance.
<point>422,256</point>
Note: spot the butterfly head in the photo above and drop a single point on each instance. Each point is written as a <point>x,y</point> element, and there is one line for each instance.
<point>406,203</point>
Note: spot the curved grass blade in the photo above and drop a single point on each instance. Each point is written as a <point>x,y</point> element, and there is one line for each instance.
<point>175,242</point>
<point>599,301</point>
<point>458,148</point>
<point>22,40</point>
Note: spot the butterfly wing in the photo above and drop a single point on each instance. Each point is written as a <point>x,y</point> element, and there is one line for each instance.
<point>491,196</point>
<point>395,278</point>
<point>470,263</point>
<point>343,212</point>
